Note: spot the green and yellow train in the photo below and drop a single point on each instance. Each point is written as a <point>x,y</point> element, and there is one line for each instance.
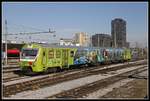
<point>37,58</point>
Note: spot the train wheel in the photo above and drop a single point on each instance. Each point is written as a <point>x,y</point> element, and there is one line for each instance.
<point>29,72</point>
<point>54,70</point>
<point>59,69</point>
<point>86,65</point>
<point>51,70</point>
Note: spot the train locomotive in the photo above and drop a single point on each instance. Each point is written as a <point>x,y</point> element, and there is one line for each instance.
<point>37,58</point>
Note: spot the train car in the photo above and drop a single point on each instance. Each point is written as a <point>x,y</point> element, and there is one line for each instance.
<point>45,58</point>
<point>119,54</point>
<point>13,53</point>
<point>100,55</point>
<point>81,56</point>
<point>13,56</point>
<point>116,55</point>
<point>87,56</point>
<point>110,54</point>
<point>36,58</point>
<point>127,54</point>
<point>92,55</point>
<point>106,55</point>
<point>135,54</point>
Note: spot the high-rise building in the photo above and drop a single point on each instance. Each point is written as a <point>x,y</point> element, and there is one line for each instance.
<point>81,39</point>
<point>101,40</point>
<point>118,32</point>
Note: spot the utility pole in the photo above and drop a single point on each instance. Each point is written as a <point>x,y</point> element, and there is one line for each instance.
<point>103,41</point>
<point>91,40</point>
<point>90,43</point>
<point>115,35</point>
<point>6,42</point>
<point>98,40</point>
<point>136,44</point>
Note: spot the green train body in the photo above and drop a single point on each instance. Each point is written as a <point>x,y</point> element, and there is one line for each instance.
<point>127,55</point>
<point>43,57</point>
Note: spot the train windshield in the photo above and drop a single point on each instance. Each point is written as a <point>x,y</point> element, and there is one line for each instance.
<point>29,53</point>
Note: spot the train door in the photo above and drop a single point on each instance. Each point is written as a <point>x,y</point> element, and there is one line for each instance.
<point>64,57</point>
<point>44,58</point>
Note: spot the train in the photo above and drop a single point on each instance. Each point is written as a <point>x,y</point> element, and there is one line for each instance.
<point>13,55</point>
<point>37,58</point>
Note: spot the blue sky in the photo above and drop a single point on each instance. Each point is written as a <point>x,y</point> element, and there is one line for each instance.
<point>69,18</point>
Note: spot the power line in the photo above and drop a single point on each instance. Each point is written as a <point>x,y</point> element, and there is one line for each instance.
<point>23,33</point>
<point>23,26</point>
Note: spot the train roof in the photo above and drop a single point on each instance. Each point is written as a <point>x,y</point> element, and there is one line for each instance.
<point>78,47</point>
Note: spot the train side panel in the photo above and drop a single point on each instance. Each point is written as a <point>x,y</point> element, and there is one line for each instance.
<point>81,56</point>
<point>100,57</point>
<point>127,54</point>
<point>59,57</point>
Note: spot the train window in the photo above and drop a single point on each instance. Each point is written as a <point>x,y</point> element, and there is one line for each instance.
<point>71,53</point>
<point>118,53</point>
<point>58,54</point>
<point>29,53</point>
<point>51,54</point>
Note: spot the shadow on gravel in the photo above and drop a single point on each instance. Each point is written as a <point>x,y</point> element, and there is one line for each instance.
<point>64,97</point>
<point>137,77</point>
<point>18,72</point>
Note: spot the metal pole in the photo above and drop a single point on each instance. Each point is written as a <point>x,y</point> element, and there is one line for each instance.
<point>103,41</point>
<point>98,40</point>
<point>90,40</point>
<point>115,35</point>
<point>5,42</point>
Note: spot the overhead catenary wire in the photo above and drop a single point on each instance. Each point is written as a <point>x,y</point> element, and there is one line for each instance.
<point>17,35</point>
<point>38,31</point>
<point>23,26</point>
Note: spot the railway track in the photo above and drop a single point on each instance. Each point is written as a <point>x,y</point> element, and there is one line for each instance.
<point>18,75</point>
<point>14,77</point>
<point>11,89</point>
<point>83,91</point>
<point>10,68</point>
<point>15,67</point>
<point>12,65</point>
